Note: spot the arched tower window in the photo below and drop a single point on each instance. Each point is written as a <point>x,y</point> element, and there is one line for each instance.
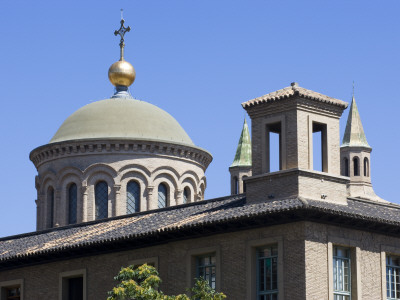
<point>132,197</point>
<point>356,166</point>
<point>186,195</point>
<point>366,167</point>
<point>50,207</point>
<point>101,200</point>
<point>72,203</point>
<point>235,185</point>
<point>346,167</point>
<point>162,195</point>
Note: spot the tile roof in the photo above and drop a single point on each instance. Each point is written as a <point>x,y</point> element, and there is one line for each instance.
<point>294,90</point>
<point>194,217</point>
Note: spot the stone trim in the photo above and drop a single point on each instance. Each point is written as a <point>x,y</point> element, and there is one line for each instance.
<point>54,151</point>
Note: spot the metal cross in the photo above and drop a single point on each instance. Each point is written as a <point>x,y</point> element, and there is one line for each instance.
<point>121,31</point>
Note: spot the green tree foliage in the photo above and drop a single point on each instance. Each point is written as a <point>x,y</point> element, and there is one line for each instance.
<point>142,283</point>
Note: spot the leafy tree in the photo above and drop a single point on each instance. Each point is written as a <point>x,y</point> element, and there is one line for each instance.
<point>142,283</point>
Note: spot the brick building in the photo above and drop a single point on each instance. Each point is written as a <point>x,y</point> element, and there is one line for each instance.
<point>122,183</point>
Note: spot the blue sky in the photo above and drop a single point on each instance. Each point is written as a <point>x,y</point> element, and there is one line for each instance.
<point>198,60</point>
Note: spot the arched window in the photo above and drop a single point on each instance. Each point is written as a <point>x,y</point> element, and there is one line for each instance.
<point>366,167</point>
<point>50,207</point>
<point>162,195</point>
<point>346,167</point>
<point>356,166</point>
<point>101,200</point>
<point>186,195</point>
<point>235,185</point>
<point>132,197</point>
<point>72,203</point>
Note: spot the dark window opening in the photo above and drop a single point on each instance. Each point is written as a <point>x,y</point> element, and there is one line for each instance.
<point>356,166</point>
<point>50,203</point>
<point>320,147</point>
<point>72,203</point>
<point>186,195</point>
<point>366,167</point>
<point>12,293</point>
<point>346,167</point>
<point>244,184</point>
<point>274,147</point>
<point>235,185</point>
<point>75,288</point>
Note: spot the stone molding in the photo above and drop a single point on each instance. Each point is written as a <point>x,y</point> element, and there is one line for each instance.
<point>54,151</point>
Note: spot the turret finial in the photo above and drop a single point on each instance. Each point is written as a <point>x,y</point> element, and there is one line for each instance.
<point>121,32</point>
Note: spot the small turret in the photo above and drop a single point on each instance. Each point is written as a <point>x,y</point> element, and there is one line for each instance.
<point>355,157</point>
<point>241,166</point>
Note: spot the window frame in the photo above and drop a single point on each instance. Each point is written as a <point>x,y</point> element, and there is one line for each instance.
<point>355,255</point>
<point>387,266</point>
<point>271,257</point>
<point>251,265</point>
<point>10,284</point>
<point>206,266</point>
<point>63,276</point>
<point>191,269</point>
<point>342,260</point>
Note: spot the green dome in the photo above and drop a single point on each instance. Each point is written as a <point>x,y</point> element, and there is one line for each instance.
<point>121,118</point>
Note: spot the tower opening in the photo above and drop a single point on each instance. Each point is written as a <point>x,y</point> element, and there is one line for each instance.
<point>274,147</point>
<point>366,167</point>
<point>320,147</point>
<point>356,166</point>
<point>346,168</point>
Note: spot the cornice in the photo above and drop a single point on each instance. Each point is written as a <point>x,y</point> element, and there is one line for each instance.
<point>73,148</point>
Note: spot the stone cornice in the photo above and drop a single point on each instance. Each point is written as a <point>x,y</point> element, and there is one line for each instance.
<point>73,148</point>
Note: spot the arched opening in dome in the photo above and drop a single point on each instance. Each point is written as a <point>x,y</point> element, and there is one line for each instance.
<point>162,195</point>
<point>72,203</point>
<point>101,200</point>
<point>132,197</point>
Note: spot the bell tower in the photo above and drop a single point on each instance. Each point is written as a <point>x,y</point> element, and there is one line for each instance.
<point>241,166</point>
<point>355,157</point>
<point>296,114</point>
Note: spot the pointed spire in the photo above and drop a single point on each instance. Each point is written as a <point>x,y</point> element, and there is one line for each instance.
<point>354,134</point>
<point>243,151</point>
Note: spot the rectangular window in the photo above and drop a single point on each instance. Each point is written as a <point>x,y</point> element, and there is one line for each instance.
<point>341,273</point>
<point>206,268</point>
<point>267,273</point>
<point>73,288</point>
<point>393,277</point>
<point>12,293</point>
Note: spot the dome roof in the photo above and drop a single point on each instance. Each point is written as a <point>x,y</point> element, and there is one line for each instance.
<point>121,118</point>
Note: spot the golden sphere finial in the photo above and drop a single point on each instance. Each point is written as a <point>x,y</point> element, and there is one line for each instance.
<point>121,73</point>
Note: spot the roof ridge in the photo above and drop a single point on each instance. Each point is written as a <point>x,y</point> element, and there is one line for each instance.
<point>293,90</point>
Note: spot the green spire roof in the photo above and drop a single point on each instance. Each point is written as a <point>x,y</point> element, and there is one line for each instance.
<point>354,134</point>
<point>243,151</point>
